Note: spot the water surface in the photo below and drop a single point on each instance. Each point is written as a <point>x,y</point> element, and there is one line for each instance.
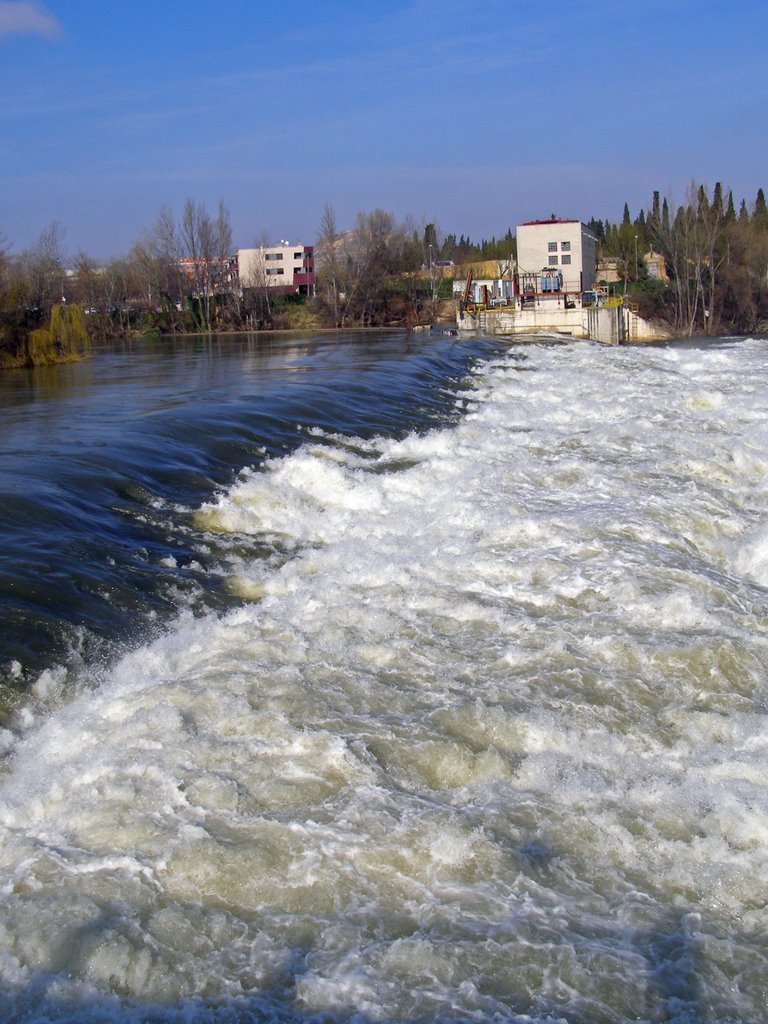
<point>426,682</point>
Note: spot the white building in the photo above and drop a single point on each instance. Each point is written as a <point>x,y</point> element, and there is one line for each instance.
<point>555,259</point>
<point>284,267</point>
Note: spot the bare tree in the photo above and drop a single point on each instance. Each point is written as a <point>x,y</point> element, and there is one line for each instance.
<point>694,248</point>
<point>357,267</point>
<point>207,245</point>
<point>367,259</point>
<point>327,255</point>
<point>743,288</point>
<point>5,248</point>
<point>118,288</point>
<point>85,284</point>
<point>710,221</point>
<point>433,241</point>
<point>156,263</point>
<point>256,285</point>
<point>42,268</point>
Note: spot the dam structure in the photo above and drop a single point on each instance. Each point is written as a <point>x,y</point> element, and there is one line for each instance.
<point>610,325</point>
<point>551,288</point>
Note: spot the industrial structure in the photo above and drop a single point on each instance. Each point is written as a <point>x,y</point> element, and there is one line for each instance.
<point>556,260</point>
<point>551,290</point>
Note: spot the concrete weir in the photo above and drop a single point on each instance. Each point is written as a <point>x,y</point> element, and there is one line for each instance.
<point>610,325</point>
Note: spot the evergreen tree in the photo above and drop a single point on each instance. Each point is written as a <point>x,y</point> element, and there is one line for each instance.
<point>702,206</point>
<point>760,215</point>
<point>717,199</point>
<point>640,226</point>
<point>656,209</point>
<point>730,210</point>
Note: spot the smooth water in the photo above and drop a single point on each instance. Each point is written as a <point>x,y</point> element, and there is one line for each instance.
<point>387,678</point>
<point>103,463</point>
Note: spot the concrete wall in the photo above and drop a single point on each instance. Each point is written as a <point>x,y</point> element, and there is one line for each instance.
<point>610,325</point>
<point>606,324</point>
<point>638,329</point>
<point>525,321</point>
<point>619,326</point>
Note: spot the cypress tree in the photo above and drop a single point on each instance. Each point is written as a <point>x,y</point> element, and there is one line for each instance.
<point>717,200</point>
<point>730,210</point>
<point>760,215</point>
<point>702,206</point>
<point>656,209</point>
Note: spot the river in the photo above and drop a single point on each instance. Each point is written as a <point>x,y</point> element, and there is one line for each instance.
<point>385,677</point>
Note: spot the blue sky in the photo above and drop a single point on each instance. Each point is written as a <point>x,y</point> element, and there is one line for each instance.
<point>474,116</point>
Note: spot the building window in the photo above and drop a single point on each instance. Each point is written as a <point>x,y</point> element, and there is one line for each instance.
<point>565,260</point>
<point>565,246</point>
<point>553,261</point>
<point>551,246</point>
<point>273,256</point>
<point>271,271</point>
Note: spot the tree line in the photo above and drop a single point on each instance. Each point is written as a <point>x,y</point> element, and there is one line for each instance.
<point>178,277</point>
<point>715,260</point>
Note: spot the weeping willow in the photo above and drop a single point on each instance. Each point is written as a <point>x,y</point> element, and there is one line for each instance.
<point>63,339</point>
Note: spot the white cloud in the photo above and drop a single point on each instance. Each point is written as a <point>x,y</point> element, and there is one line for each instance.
<point>25,17</point>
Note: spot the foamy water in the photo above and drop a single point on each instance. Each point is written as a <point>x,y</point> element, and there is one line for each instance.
<point>486,740</point>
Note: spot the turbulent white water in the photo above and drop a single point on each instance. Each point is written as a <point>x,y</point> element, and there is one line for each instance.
<point>486,741</point>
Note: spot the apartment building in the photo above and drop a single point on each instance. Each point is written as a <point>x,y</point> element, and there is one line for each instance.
<point>283,268</point>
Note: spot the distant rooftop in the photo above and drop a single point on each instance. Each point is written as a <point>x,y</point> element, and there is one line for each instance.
<point>551,220</point>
